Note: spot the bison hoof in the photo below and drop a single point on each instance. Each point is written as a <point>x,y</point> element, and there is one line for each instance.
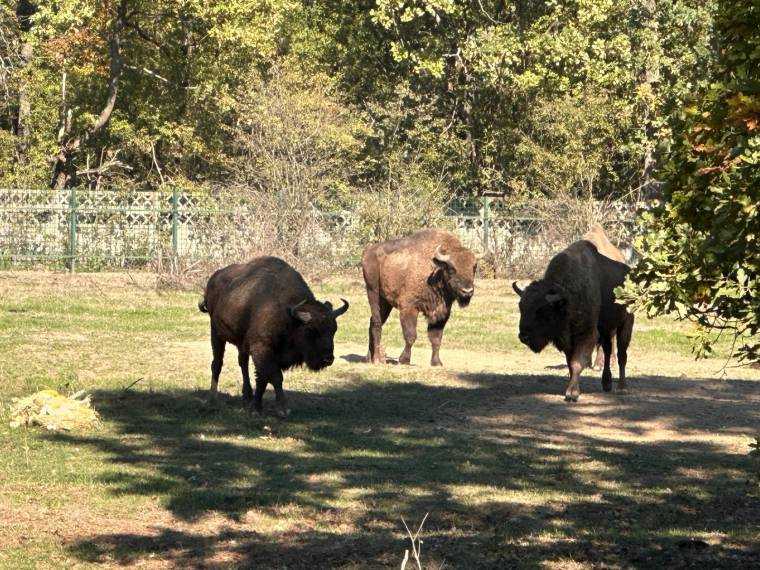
<point>436,362</point>
<point>404,360</point>
<point>607,384</point>
<point>571,397</point>
<point>283,413</point>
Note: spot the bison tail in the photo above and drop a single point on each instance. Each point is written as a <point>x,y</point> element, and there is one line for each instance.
<point>202,306</point>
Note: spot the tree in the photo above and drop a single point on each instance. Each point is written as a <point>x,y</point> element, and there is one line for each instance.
<point>701,258</point>
<point>71,139</point>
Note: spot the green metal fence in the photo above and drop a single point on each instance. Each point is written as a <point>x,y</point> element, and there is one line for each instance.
<point>92,228</point>
<point>95,229</point>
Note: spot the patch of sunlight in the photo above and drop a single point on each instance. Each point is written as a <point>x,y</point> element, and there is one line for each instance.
<point>711,537</point>
<point>563,564</point>
<point>332,477</point>
<point>605,485</point>
<point>269,442</point>
<point>472,494</point>
<point>369,454</point>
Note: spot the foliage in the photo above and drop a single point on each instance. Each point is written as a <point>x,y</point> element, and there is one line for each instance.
<point>701,258</point>
<point>495,69</point>
<point>409,199</point>
<point>293,136</point>
<point>567,96</point>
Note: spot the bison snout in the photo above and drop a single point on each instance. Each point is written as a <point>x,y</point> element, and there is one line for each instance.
<point>524,338</point>
<point>328,360</point>
<point>467,292</point>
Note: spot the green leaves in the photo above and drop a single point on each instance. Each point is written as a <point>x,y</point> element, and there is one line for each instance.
<point>705,237</point>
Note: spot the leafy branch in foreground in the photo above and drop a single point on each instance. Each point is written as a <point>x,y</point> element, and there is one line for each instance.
<point>701,258</point>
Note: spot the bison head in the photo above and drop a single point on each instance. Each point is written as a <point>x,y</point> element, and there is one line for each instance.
<point>542,313</point>
<point>315,326</point>
<point>457,269</point>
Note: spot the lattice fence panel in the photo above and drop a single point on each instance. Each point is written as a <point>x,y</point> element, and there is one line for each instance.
<point>94,229</point>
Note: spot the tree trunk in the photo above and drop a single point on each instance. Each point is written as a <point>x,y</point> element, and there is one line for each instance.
<point>24,11</point>
<point>651,78</point>
<point>64,168</point>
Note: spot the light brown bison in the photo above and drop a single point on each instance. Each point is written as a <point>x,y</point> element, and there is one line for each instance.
<point>598,237</point>
<point>267,310</point>
<point>573,306</point>
<point>423,273</point>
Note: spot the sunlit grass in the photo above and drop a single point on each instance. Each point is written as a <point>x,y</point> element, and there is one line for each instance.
<point>511,475</point>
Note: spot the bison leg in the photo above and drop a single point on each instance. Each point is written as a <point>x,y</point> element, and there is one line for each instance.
<point>624,334</point>
<point>599,361</point>
<point>409,328</point>
<point>267,372</point>
<point>243,358</point>
<point>577,360</point>
<point>613,353</point>
<point>606,374</point>
<point>380,310</point>
<point>217,348</point>
<point>279,395</point>
<point>435,334</point>
<point>258,395</point>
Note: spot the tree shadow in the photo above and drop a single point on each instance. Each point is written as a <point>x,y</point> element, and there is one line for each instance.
<point>402,449</point>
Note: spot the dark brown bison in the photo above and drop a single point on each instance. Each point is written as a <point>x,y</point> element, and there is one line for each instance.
<point>267,310</point>
<point>572,306</point>
<point>598,237</point>
<point>423,273</point>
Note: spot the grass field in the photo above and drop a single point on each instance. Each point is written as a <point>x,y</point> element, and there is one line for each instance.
<point>510,474</point>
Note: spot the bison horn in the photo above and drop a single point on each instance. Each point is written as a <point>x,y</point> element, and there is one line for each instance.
<point>440,256</point>
<point>339,311</point>
<point>517,289</point>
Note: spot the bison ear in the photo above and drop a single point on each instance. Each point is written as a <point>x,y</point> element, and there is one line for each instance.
<point>299,314</point>
<point>517,289</point>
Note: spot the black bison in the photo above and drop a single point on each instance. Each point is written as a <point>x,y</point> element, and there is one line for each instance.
<point>267,310</point>
<point>598,237</point>
<point>425,272</point>
<point>572,306</point>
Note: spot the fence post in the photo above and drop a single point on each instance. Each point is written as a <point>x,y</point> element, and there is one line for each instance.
<point>486,223</point>
<point>175,223</point>
<point>72,228</point>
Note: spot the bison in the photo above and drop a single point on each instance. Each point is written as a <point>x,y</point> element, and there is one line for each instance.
<point>266,309</point>
<point>598,237</point>
<point>573,306</point>
<point>423,273</point>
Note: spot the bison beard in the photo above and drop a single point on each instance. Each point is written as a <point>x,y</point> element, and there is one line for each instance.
<point>573,306</point>
<point>267,310</point>
<point>423,273</point>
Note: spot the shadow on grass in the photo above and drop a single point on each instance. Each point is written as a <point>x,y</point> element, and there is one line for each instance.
<point>501,467</point>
